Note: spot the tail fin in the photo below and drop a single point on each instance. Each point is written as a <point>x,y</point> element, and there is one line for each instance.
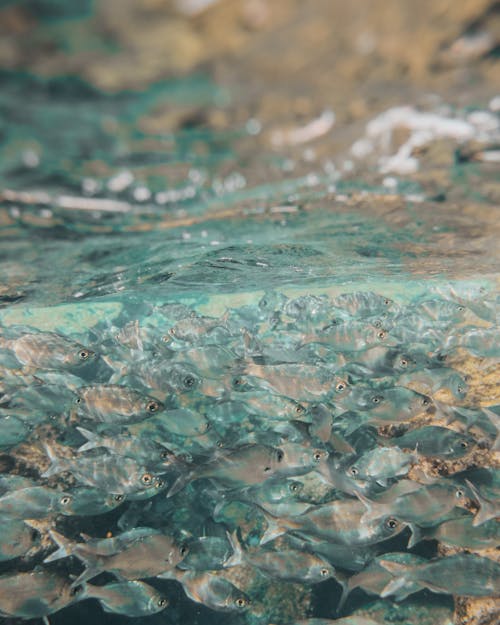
<point>238,556</point>
<point>180,483</point>
<point>346,589</point>
<point>93,439</point>
<point>65,547</point>
<point>417,535</point>
<point>56,464</point>
<point>487,509</point>
<point>274,529</point>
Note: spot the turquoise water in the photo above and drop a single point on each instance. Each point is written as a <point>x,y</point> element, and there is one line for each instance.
<point>112,235</point>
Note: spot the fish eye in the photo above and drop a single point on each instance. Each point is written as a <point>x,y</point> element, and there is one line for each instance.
<point>403,362</point>
<point>461,308</point>
<point>118,498</point>
<point>76,590</point>
<point>241,602</point>
<point>183,550</point>
<point>294,486</point>
<point>147,478</point>
<point>165,338</point>
<point>299,409</point>
<point>324,572</point>
<point>426,401</point>
<point>391,523</point>
<point>376,399</point>
<point>460,389</point>
<point>159,483</point>
<point>189,381</point>
<point>381,335</point>
<point>280,454</point>
<point>66,500</point>
<point>164,455</point>
<point>172,331</point>
<point>162,602</point>
<point>317,455</point>
<point>78,400</point>
<point>464,444</point>
<point>83,354</point>
<point>387,301</point>
<point>459,493</point>
<point>152,406</point>
<point>341,386</point>
<point>238,381</point>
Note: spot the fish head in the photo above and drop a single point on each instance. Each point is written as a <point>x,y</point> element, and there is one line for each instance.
<point>152,406</point>
<point>320,572</point>
<point>80,356</point>
<point>157,602</point>
<point>389,526</point>
<point>238,601</point>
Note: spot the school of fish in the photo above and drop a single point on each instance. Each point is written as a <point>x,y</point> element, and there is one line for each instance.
<point>304,440</point>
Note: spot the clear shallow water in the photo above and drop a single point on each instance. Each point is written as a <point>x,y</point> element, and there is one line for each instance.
<point>103,222</point>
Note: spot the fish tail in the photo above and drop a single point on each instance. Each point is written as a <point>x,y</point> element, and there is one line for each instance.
<point>93,440</point>
<point>56,465</point>
<point>346,590</point>
<point>238,556</point>
<point>417,535</point>
<point>274,529</point>
<point>486,511</point>
<point>65,547</point>
<point>180,483</point>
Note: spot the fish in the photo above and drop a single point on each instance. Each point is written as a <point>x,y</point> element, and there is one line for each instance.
<point>463,574</point>
<point>47,350</point>
<point>112,403</point>
<point>247,465</point>
<point>461,532</point>
<point>210,589</point>
<point>381,464</point>
<point>436,441</point>
<point>35,502</point>
<point>115,474</point>
<point>286,564</point>
<point>342,521</point>
<point>141,555</point>
<point>130,598</point>
<point>36,594</point>
<point>374,578</point>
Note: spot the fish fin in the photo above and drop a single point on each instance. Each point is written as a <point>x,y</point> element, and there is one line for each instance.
<point>92,439</point>
<point>89,573</point>
<point>495,421</point>
<point>45,620</point>
<point>395,568</point>
<point>417,535</point>
<point>55,466</point>
<point>238,557</point>
<point>180,483</point>
<point>65,547</point>
<point>373,509</point>
<point>382,482</point>
<point>346,590</point>
<point>486,510</point>
<point>339,443</point>
<point>393,588</point>
<point>274,529</point>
